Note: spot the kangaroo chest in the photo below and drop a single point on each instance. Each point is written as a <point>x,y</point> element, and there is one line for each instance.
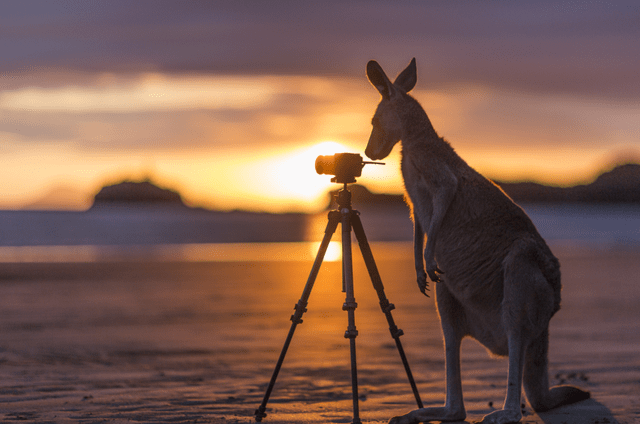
<point>420,196</point>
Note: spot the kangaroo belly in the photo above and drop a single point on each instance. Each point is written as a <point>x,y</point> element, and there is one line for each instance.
<point>472,260</point>
<point>478,288</point>
<point>488,329</point>
<point>501,282</point>
<point>474,318</point>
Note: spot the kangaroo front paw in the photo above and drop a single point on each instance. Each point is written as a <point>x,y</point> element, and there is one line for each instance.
<point>503,416</point>
<point>434,271</point>
<point>423,284</point>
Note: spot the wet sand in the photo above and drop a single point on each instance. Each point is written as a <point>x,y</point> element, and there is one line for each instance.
<point>148,341</point>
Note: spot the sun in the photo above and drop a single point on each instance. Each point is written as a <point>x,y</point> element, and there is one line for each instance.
<point>309,184</point>
<point>295,180</point>
<point>285,180</point>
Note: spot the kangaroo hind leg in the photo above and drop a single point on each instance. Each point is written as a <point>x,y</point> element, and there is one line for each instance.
<point>453,320</point>
<point>527,307</point>
<point>536,380</point>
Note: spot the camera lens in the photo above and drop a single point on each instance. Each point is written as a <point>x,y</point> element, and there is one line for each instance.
<point>326,165</point>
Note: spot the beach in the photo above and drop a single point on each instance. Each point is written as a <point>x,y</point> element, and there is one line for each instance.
<point>161,340</point>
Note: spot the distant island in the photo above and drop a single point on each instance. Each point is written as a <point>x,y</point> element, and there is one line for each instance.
<point>137,193</point>
<point>620,185</point>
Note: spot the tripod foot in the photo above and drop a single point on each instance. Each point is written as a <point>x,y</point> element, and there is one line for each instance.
<point>260,414</point>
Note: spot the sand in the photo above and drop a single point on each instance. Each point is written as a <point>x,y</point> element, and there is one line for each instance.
<point>149,341</point>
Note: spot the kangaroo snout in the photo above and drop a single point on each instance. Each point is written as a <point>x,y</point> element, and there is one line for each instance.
<point>376,148</point>
<point>374,155</point>
<point>371,154</point>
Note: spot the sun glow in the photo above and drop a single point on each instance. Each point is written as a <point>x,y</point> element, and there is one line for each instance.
<point>306,183</point>
<point>291,178</point>
<point>333,253</point>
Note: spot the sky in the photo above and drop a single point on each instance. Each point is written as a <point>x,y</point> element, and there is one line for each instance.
<point>229,102</point>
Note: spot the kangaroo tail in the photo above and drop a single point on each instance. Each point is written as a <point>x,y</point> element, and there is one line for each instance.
<point>536,379</point>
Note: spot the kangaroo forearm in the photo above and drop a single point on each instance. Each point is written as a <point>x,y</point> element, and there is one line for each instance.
<point>418,245</point>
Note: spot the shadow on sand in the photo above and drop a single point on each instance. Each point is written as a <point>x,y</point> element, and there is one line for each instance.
<point>588,410</point>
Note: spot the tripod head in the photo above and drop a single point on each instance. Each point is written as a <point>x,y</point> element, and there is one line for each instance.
<point>345,166</point>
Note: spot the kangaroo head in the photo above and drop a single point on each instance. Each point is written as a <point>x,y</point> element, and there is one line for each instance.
<point>387,127</point>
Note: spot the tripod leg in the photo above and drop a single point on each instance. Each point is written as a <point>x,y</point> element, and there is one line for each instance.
<point>384,302</point>
<point>350,306</point>
<point>300,307</point>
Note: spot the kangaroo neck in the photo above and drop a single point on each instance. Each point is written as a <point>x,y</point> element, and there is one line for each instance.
<point>417,127</point>
<point>420,138</point>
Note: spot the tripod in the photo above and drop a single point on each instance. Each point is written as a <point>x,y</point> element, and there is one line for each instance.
<point>349,219</point>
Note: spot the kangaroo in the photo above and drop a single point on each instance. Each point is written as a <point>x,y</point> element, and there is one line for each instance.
<point>495,278</point>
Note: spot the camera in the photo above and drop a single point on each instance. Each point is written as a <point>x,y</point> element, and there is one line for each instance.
<point>345,166</point>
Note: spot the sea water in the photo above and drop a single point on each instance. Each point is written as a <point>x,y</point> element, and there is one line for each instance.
<point>117,234</point>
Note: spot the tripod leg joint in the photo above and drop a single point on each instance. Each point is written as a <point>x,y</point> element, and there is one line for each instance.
<point>297,316</point>
<point>347,306</point>
<point>351,333</point>
<point>396,332</point>
<point>386,306</point>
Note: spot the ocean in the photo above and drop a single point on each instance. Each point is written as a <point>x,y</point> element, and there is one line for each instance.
<point>194,235</point>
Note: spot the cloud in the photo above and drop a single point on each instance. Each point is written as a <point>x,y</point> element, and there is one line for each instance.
<point>580,48</point>
<point>149,93</point>
<point>188,111</point>
<point>172,112</point>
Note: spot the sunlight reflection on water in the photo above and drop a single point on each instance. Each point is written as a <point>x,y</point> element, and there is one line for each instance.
<point>201,252</point>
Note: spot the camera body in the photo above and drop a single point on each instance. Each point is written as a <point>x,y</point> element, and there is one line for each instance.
<point>345,166</point>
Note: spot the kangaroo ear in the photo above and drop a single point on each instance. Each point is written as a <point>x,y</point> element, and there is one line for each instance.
<point>379,79</point>
<point>407,79</point>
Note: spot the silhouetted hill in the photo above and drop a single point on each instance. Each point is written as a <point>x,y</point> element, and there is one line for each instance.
<point>620,185</point>
<point>137,193</point>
